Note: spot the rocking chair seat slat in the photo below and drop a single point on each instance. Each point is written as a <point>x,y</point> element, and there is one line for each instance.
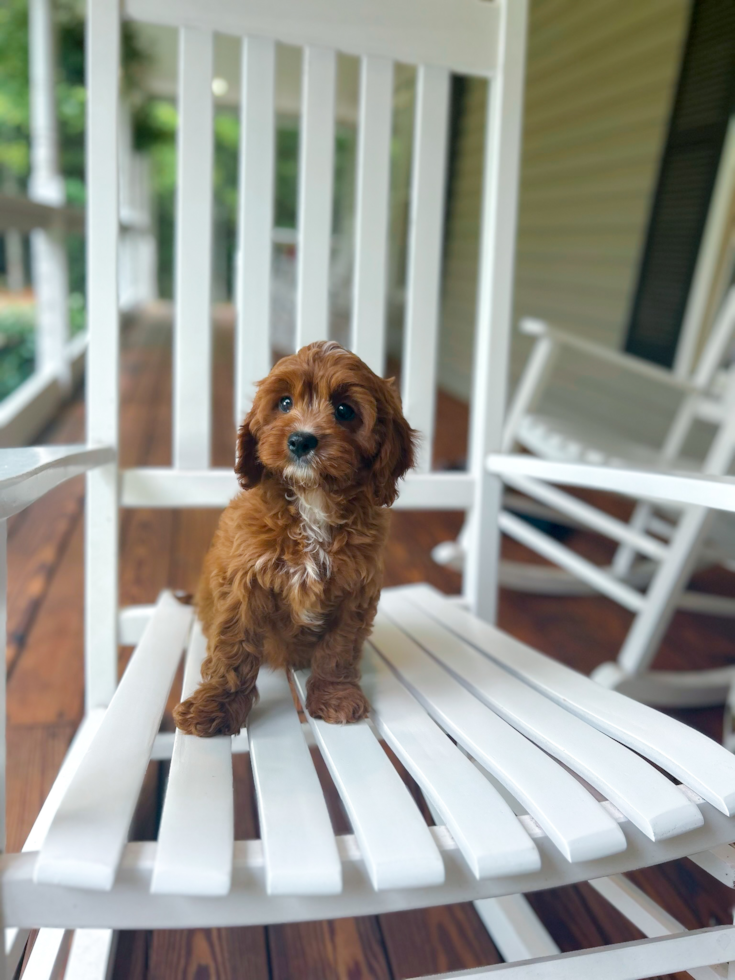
<point>490,836</point>
<point>196,836</point>
<point>85,841</point>
<point>579,826</point>
<point>643,794</point>
<point>396,844</point>
<point>299,846</point>
<point>692,758</point>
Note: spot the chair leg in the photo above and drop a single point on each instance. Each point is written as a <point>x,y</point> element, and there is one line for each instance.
<point>514,928</point>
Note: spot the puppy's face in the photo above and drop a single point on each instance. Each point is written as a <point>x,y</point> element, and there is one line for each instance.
<point>323,419</point>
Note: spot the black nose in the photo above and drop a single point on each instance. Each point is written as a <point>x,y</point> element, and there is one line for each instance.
<point>302,443</point>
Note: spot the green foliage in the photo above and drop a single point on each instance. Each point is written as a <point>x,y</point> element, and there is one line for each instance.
<point>17,347</point>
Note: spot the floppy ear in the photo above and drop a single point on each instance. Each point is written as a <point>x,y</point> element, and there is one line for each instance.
<point>248,467</point>
<point>396,455</point>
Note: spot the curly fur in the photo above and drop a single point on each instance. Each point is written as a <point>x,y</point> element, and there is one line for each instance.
<point>294,572</point>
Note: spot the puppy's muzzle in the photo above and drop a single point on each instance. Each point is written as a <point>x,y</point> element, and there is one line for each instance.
<point>300,444</point>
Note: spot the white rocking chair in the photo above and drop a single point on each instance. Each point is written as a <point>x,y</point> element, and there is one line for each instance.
<point>540,734</point>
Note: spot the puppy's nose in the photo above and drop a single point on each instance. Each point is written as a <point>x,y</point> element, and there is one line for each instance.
<point>302,443</point>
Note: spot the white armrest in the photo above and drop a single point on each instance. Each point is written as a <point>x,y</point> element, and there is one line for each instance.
<point>717,492</point>
<point>28,473</point>
<point>533,327</point>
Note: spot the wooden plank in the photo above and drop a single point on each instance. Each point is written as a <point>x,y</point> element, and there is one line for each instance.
<point>699,762</point>
<point>84,844</point>
<point>425,254</point>
<point>192,412</point>
<point>622,961</point>
<point>462,37</point>
<point>576,823</point>
<point>371,212</point>
<point>642,793</point>
<point>195,840</point>
<point>328,950</point>
<point>436,940</point>
<point>288,793</point>
<point>316,178</point>
<point>396,845</point>
<point>179,953</point>
<point>255,219</point>
<point>483,825</point>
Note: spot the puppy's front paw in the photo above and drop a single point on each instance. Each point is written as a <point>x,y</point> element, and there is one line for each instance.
<point>207,715</point>
<point>339,704</point>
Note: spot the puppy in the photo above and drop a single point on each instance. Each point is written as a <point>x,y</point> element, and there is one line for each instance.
<point>293,575</point>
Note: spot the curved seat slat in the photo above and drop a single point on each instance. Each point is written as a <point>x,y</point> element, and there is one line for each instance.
<point>196,836</point>
<point>651,801</point>
<point>692,758</point>
<point>299,846</point>
<point>578,825</point>
<point>85,841</point>
<point>396,844</point>
<point>486,830</point>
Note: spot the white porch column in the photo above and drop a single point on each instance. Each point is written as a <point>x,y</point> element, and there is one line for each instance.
<point>49,259</point>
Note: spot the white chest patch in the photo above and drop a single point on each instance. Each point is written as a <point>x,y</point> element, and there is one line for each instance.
<point>316,534</point>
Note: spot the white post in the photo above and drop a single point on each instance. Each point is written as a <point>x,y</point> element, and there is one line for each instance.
<point>103,354</point>
<point>49,260</point>
<point>495,301</point>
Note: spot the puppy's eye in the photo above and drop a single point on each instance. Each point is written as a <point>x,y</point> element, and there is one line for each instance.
<point>286,403</point>
<point>344,412</point>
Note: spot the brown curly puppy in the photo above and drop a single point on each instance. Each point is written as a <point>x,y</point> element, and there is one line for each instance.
<point>293,576</point>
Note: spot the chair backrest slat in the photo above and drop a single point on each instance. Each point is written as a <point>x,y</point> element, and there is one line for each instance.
<point>255,219</point>
<point>192,414</point>
<point>103,351</point>
<point>316,179</point>
<point>458,34</point>
<point>371,217</point>
<point>425,253</point>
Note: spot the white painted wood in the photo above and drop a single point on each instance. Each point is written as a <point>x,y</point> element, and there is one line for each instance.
<point>637,365</point>
<point>697,761</point>
<point>591,517</point>
<point>716,349</point>
<point>3,683</point>
<point>485,828</point>
<point>622,961</point>
<point>29,472</point>
<point>316,179</point>
<point>494,305</point>
<point>153,487</point>
<point>103,355</point>
<point>515,929</point>
<point>462,36</point>
<point>396,844</point>
<point>289,796</point>
<point>195,839</point>
<point>705,490</point>
<point>548,547</point>
<point>646,915</point>
<point>47,956</point>
<point>15,939</point>
<point>577,824</point>
<point>531,385</point>
<point>192,408</point>
<point>130,905</point>
<point>85,841</point>
<point>371,212</point>
<point>255,219</point>
<point>645,796</point>
<point>669,688</point>
<point>92,954</point>
<point>425,241</point>
<point>719,862</point>
<point>133,620</point>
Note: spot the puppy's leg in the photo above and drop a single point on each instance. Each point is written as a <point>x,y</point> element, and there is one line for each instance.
<point>222,702</point>
<point>333,690</point>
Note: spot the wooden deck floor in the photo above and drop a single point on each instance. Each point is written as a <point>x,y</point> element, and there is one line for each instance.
<point>165,548</point>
